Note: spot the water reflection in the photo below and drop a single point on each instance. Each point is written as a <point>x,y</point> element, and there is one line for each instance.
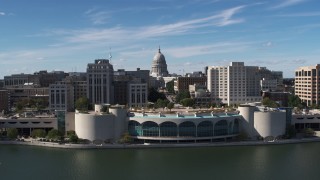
<point>299,161</point>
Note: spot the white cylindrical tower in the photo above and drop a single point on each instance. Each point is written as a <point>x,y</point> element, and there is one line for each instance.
<point>121,120</point>
<point>247,122</point>
<point>270,123</point>
<point>94,127</point>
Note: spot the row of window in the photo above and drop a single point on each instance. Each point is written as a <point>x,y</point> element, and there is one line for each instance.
<point>185,129</point>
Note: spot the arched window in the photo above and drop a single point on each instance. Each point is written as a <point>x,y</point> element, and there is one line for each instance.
<point>187,129</point>
<point>134,128</point>
<point>205,129</point>
<point>221,128</point>
<point>150,128</point>
<point>236,127</point>
<point>168,129</point>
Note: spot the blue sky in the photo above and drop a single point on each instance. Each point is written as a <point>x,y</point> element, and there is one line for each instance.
<point>66,35</point>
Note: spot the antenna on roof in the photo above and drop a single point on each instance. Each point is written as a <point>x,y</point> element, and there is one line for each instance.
<point>110,56</point>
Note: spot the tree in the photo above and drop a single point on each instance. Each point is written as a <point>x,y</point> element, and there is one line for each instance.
<point>12,133</point>
<point>269,103</point>
<point>126,138</point>
<point>54,134</point>
<point>73,138</point>
<point>170,86</point>
<point>82,104</point>
<point>294,101</point>
<point>187,102</point>
<point>71,132</point>
<point>308,132</point>
<point>170,105</point>
<point>38,133</point>
<point>182,95</point>
<point>154,95</point>
<point>161,103</point>
<point>290,131</point>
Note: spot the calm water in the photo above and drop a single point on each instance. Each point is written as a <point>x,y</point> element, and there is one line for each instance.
<point>297,161</point>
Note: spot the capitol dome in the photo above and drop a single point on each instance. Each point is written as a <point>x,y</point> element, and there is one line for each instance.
<point>159,65</point>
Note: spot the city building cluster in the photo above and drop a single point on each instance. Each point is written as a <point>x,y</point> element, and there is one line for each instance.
<point>49,100</point>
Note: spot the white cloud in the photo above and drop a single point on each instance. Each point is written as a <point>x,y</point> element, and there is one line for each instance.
<point>120,34</point>
<point>217,48</point>
<point>98,17</point>
<point>226,16</point>
<point>2,13</point>
<point>305,14</point>
<point>267,44</point>
<point>286,3</point>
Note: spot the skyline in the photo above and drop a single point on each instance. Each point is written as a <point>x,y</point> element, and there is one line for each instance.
<point>43,35</point>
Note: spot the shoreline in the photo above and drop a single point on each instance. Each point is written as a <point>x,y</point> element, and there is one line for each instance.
<point>149,146</point>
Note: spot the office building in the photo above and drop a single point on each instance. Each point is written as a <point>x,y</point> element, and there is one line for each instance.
<point>182,83</point>
<point>307,85</point>
<point>99,82</point>
<point>4,101</point>
<point>131,87</point>
<point>234,84</point>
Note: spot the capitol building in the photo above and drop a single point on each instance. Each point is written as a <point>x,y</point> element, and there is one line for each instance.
<point>159,65</point>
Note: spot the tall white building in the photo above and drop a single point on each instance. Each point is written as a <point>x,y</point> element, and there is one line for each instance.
<point>99,82</point>
<point>234,84</point>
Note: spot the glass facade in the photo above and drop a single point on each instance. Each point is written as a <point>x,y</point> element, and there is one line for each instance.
<point>187,129</point>
<point>150,128</point>
<point>135,128</point>
<point>61,116</point>
<point>236,127</point>
<point>221,128</point>
<point>205,129</point>
<point>168,129</point>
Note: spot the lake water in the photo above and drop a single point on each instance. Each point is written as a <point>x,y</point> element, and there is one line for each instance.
<point>293,161</point>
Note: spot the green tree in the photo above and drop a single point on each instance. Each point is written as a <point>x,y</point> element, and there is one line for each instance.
<point>54,134</point>
<point>187,102</point>
<point>170,86</point>
<point>12,133</point>
<point>71,132</point>
<point>19,106</point>
<point>154,95</point>
<point>294,101</point>
<point>82,104</point>
<point>269,103</point>
<point>73,138</point>
<point>170,105</point>
<point>291,131</point>
<point>242,136</point>
<point>182,95</point>
<point>161,103</point>
<point>308,132</point>
<point>126,138</point>
<point>38,133</point>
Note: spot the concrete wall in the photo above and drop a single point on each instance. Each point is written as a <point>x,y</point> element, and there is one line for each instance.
<point>70,124</point>
<point>120,122</point>
<point>247,122</point>
<point>94,126</point>
<point>270,123</point>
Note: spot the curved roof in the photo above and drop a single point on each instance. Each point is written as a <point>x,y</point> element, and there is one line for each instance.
<point>159,58</point>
